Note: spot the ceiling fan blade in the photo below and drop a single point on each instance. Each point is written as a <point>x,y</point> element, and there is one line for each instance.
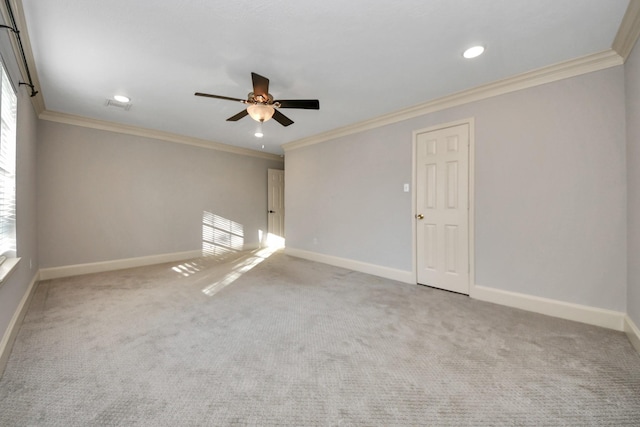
<point>281,118</point>
<point>260,85</point>
<point>219,97</point>
<point>308,104</point>
<point>238,116</point>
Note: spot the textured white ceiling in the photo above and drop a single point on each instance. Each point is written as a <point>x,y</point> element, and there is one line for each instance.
<point>360,58</point>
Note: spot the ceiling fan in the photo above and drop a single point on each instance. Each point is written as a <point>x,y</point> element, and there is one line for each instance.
<point>262,106</point>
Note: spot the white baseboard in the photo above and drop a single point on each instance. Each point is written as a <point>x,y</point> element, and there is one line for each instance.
<point>118,264</point>
<point>363,267</point>
<point>564,310</point>
<point>14,325</point>
<point>632,332</point>
<point>580,313</point>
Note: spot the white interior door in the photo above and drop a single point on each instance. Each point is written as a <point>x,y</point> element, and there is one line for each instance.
<point>275,195</point>
<point>442,208</point>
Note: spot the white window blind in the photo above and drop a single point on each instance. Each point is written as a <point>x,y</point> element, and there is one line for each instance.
<point>8,113</point>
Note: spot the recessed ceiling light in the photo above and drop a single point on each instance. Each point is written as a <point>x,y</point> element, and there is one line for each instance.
<point>259,133</point>
<point>122,98</point>
<point>473,52</point>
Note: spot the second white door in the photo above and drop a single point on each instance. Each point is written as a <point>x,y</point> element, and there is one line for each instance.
<point>442,208</point>
<point>275,195</point>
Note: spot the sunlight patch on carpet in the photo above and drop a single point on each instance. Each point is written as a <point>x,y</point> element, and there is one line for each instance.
<point>241,267</point>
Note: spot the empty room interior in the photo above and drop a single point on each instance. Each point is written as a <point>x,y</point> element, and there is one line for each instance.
<point>422,213</point>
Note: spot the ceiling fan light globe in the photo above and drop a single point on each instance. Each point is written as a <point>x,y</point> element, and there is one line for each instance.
<point>260,112</point>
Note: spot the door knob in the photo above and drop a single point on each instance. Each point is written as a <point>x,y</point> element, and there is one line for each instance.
<point>419,216</point>
<point>272,211</point>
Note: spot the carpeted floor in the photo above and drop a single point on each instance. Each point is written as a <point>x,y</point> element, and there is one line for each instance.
<point>283,341</point>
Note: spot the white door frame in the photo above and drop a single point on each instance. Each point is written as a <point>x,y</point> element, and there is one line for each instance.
<point>469,121</point>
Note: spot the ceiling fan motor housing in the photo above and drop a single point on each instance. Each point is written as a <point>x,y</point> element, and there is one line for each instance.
<point>260,99</point>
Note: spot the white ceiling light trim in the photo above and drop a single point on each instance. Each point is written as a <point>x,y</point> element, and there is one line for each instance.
<point>122,98</point>
<point>473,52</point>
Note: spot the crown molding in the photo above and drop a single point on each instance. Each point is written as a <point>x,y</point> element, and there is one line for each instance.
<point>71,119</point>
<point>628,33</point>
<point>552,73</point>
<point>629,30</point>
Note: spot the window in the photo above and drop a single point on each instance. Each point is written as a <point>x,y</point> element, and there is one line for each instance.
<point>8,113</point>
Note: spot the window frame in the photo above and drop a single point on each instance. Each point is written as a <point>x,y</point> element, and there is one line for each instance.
<point>8,172</point>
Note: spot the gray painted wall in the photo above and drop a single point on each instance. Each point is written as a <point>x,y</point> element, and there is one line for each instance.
<point>550,193</point>
<point>345,198</point>
<point>13,290</point>
<point>632,74</point>
<point>108,196</point>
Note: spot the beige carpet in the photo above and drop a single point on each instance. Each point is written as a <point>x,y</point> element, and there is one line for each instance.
<point>283,341</point>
